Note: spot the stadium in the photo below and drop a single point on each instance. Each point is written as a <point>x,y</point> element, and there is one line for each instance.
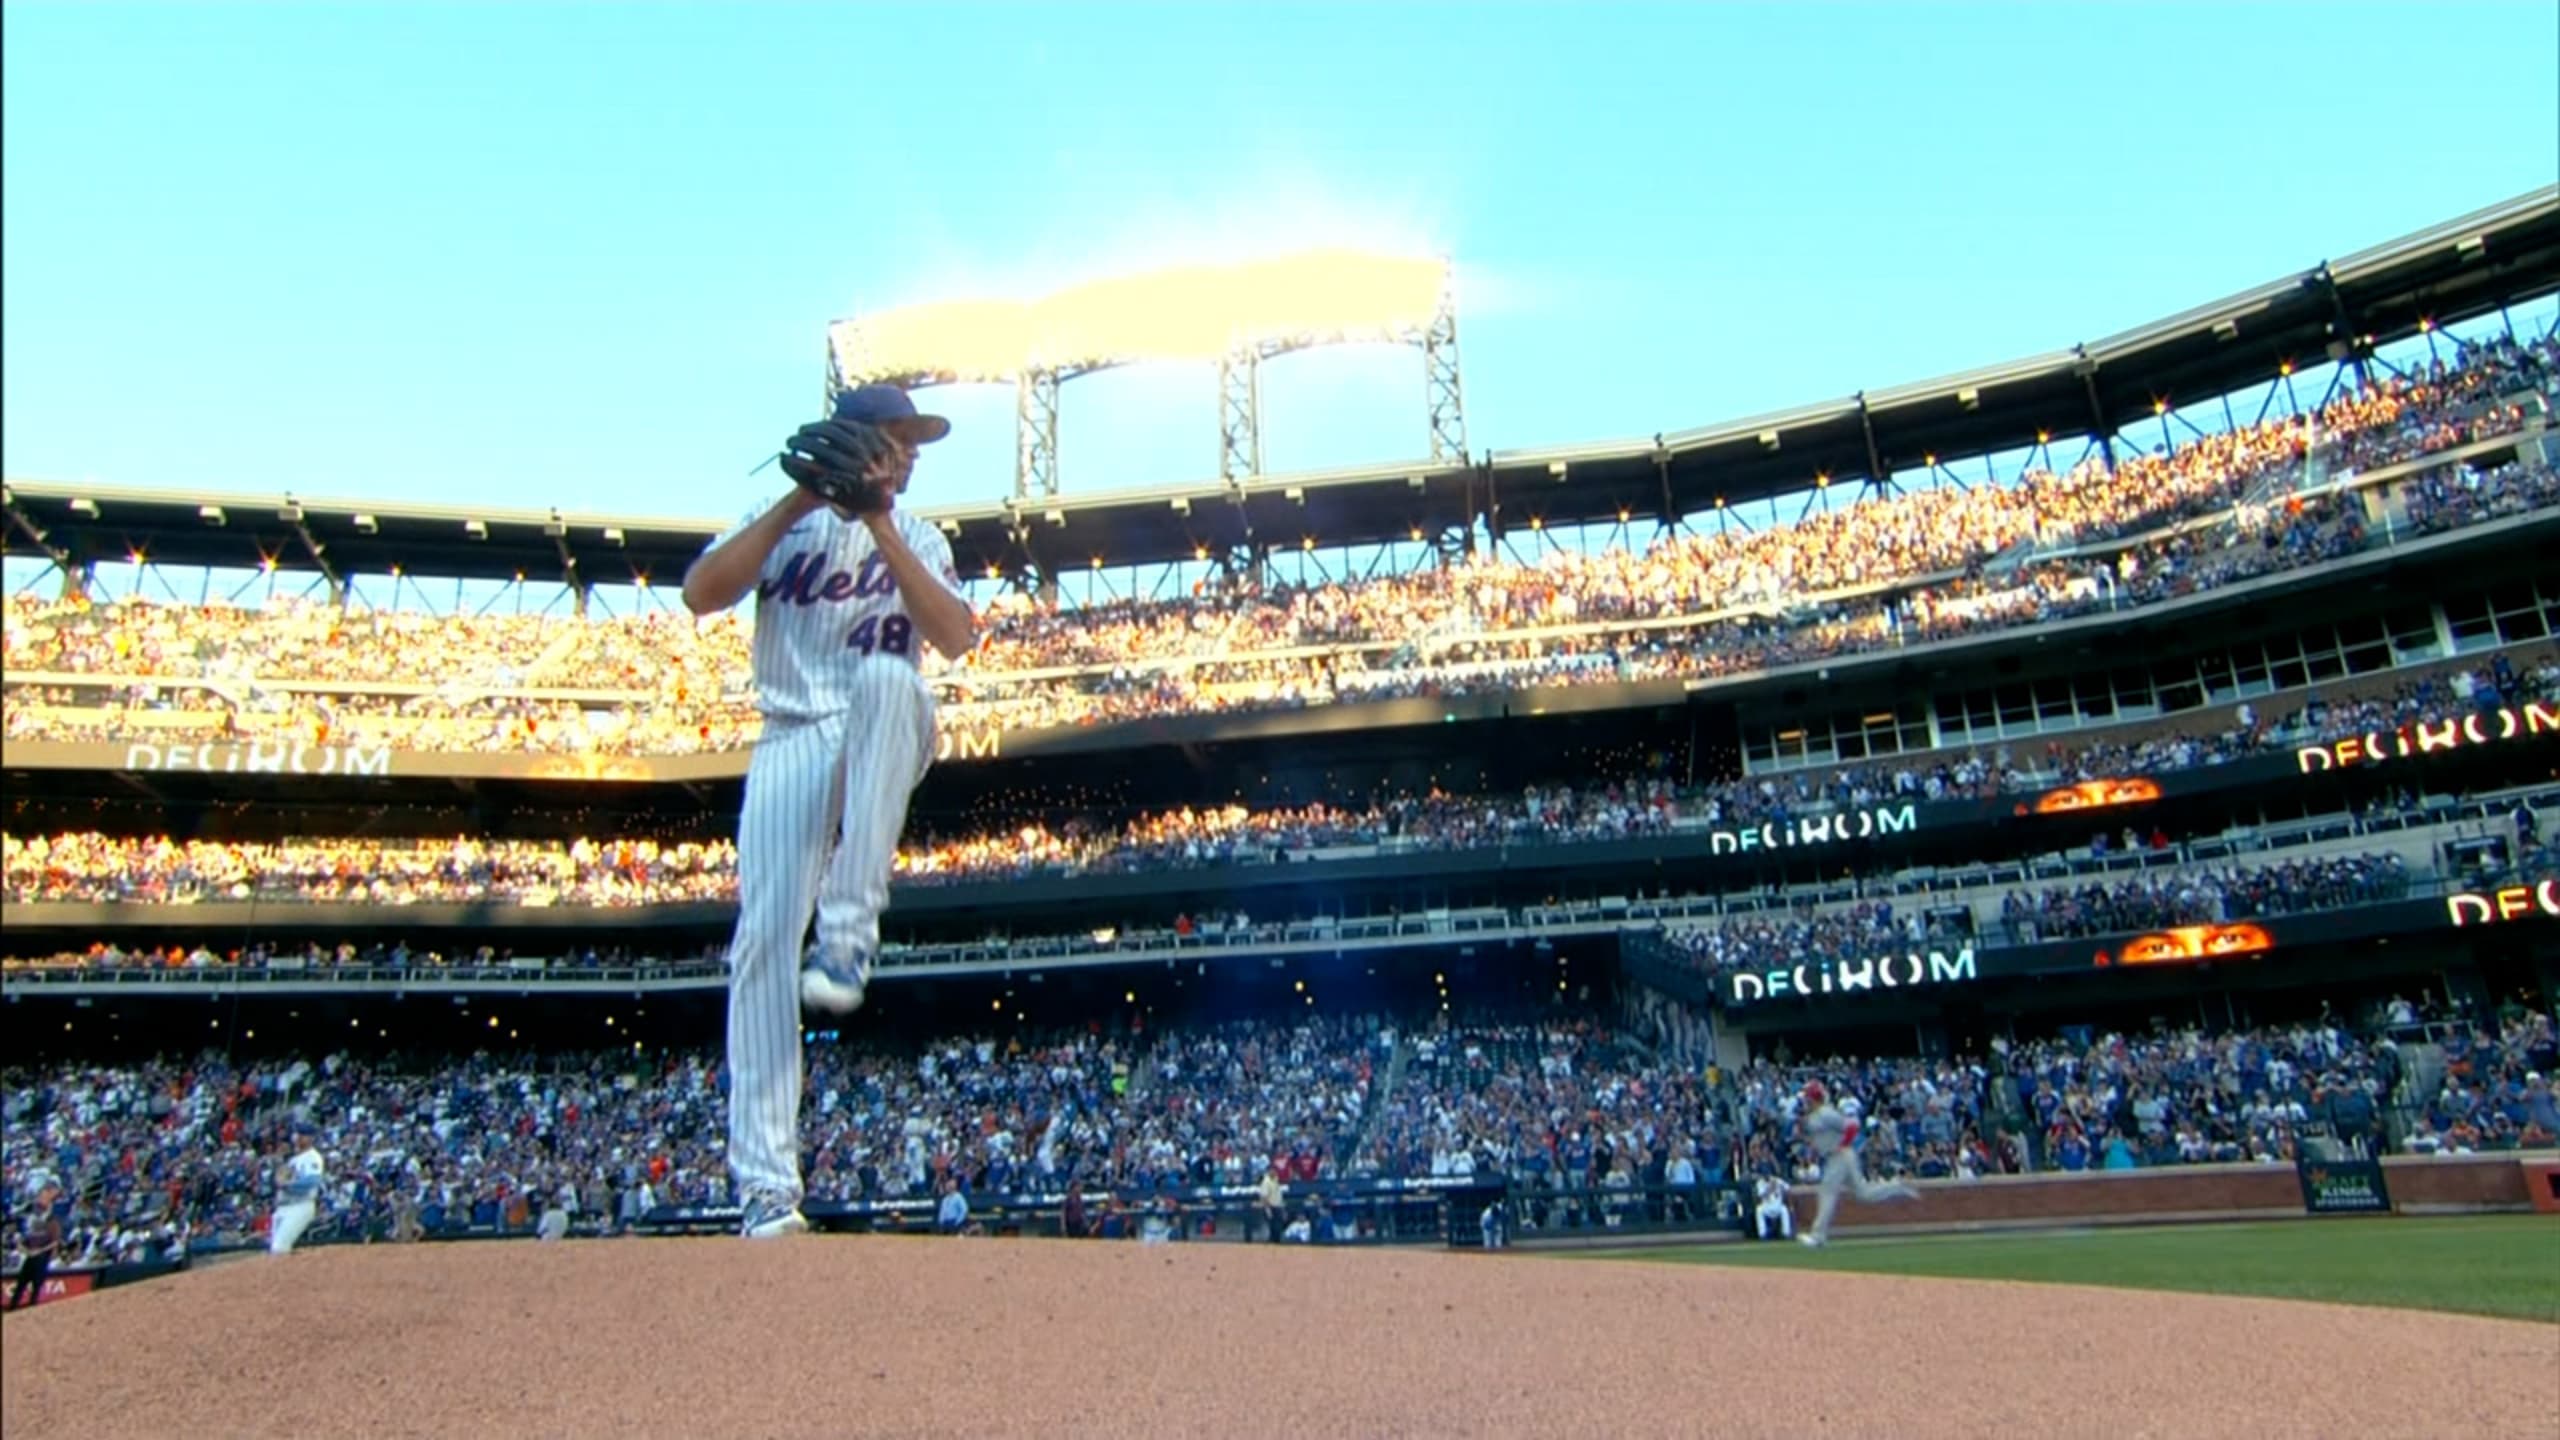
<point>2130,773</point>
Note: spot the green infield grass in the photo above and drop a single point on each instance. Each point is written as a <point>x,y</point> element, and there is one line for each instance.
<point>2501,1265</point>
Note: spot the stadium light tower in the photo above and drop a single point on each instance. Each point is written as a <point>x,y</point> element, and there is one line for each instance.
<point>1232,316</point>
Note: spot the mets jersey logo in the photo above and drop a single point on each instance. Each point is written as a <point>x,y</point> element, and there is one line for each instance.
<point>827,599</point>
<point>806,580</point>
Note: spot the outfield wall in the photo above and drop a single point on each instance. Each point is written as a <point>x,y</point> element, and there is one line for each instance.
<point>2419,1184</point>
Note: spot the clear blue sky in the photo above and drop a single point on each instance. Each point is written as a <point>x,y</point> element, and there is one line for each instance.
<point>585,255</point>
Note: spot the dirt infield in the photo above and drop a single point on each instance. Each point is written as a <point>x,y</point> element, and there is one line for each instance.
<point>914,1337</point>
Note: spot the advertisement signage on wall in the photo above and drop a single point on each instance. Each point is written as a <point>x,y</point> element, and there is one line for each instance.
<point>281,757</point>
<point>1852,977</point>
<point>258,757</point>
<point>2508,904</point>
<point>1825,980</point>
<point>959,741</point>
<point>1828,983</point>
<point>1808,830</point>
<point>2343,1187</point>
<point>59,1285</point>
<point>2422,738</point>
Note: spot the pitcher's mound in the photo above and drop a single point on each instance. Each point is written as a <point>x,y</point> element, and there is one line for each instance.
<point>824,1336</point>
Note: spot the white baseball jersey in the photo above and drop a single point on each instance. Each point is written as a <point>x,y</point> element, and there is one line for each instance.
<point>825,600</point>
<point>849,734</point>
<point>303,1175</point>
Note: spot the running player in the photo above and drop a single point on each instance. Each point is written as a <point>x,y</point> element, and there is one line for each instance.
<point>1832,1133</point>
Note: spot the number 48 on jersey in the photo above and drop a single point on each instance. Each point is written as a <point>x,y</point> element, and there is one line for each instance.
<point>882,634</point>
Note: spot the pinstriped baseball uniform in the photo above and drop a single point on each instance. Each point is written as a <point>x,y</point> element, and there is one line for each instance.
<point>297,1200</point>
<point>849,732</point>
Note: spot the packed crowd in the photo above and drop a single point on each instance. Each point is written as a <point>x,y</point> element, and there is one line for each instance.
<point>145,1159</point>
<point>1871,928</point>
<point>2119,1102</point>
<point>2163,899</point>
<point>1590,1130</point>
<point>1863,930</point>
<point>490,1142</point>
<point>197,1143</point>
<point>1934,1119</point>
<point>89,866</point>
<point>2496,1093</point>
<point>397,954</point>
<point>1224,1104</point>
<point>612,873</point>
<point>1877,573</point>
<point>2142,901</point>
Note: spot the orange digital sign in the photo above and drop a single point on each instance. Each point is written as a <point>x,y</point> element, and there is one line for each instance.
<point>2095,795</point>
<point>2191,944</point>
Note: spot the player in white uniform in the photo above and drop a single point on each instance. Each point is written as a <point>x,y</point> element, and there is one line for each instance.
<point>1772,1220</point>
<point>1832,1133</point>
<point>297,1193</point>
<point>843,609</point>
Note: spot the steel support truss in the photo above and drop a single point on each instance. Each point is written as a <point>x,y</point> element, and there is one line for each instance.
<point>1240,396</point>
<point>2347,344</point>
<point>1035,470</point>
<point>1240,414</point>
<point>1035,428</point>
<point>1243,569</point>
<point>2102,426</point>
<point>1444,395</point>
<point>76,575</point>
<point>1453,545</point>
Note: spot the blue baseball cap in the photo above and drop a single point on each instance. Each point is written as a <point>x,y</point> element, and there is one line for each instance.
<point>888,407</point>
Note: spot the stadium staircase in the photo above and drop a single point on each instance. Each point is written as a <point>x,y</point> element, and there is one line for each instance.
<point>1142,1071</point>
<point>2387,509</point>
<point>2009,1115</point>
<point>2008,1107</point>
<point>2421,1074</point>
<point>2422,1071</point>
<point>1382,1088</point>
<point>553,656</point>
<point>2028,551</point>
<point>2273,484</point>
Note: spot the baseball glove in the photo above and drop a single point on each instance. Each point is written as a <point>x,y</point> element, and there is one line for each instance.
<point>850,465</point>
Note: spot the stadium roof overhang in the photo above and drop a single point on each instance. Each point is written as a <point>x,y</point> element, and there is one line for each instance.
<point>102,523</point>
<point>2449,273</point>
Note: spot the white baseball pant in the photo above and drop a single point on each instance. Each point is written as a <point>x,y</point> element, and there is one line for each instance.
<point>1842,1171</point>
<point>1774,1220</point>
<point>847,776</point>
<point>291,1219</point>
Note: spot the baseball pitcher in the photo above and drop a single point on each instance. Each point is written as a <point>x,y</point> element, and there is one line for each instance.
<point>1832,1133</point>
<point>848,590</point>
<point>297,1192</point>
